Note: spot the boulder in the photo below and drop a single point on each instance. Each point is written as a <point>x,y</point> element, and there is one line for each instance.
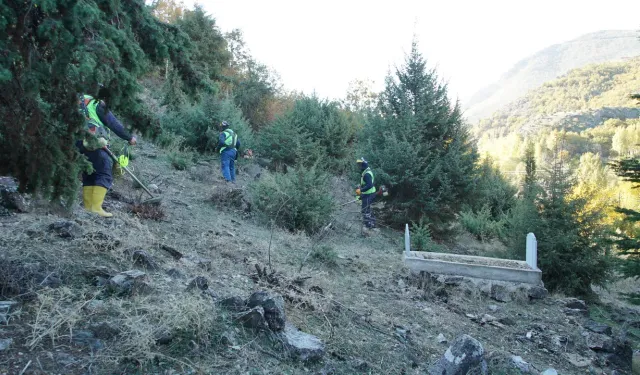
<point>464,354</point>
<point>596,327</point>
<point>576,304</point>
<point>10,198</point>
<point>500,293</point>
<point>66,229</point>
<point>273,306</point>
<point>300,345</point>
<point>235,304</point>
<point>128,282</point>
<point>253,319</point>
<point>538,292</point>
<point>600,343</point>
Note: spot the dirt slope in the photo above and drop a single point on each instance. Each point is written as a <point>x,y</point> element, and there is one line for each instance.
<point>354,294</point>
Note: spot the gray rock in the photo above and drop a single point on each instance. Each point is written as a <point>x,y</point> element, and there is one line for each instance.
<point>521,365</point>
<point>576,304</point>
<point>199,282</point>
<point>575,312</point>
<point>235,304</point>
<point>441,339</point>
<point>500,293</point>
<point>142,259</point>
<point>273,306</point>
<point>538,292</point>
<point>600,343</point>
<point>549,371</point>
<point>94,305</point>
<point>13,200</point>
<point>66,229</point>
<point>253,319</point>
<point>493,308</point>
<point>596,327</point>
<point>464,354</point>
<point>128,282</point>
<point>5,344</point>
<point>300,345</point>
<point>153,187</point>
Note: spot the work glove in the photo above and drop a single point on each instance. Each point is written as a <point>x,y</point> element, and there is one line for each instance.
<point>358,198</point>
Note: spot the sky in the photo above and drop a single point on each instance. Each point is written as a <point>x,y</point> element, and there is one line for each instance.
<point>320,46</point>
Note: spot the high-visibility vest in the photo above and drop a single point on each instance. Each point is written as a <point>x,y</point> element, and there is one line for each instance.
<point>89,108</point>
<point>230,140</point>
<point>373,188</point>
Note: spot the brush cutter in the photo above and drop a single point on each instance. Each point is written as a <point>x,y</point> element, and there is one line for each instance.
<point>153,199</point>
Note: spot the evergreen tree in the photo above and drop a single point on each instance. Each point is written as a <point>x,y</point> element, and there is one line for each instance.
<point>419,146</point>
<point>628,242</point>
<point>571,238</point>
<point>54,50</point>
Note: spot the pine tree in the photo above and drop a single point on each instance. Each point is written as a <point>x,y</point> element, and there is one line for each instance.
<point>419,146</point>
<point>54,50</point>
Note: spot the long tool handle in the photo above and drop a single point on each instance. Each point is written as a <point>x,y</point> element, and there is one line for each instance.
<point>128,171</point>
<point>344,204</point>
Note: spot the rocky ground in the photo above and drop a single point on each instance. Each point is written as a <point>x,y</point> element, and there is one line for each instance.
<point>201,285</point>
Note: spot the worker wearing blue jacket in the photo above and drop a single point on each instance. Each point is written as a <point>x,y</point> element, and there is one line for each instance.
<point>228,143</point>
<point>100,122</point>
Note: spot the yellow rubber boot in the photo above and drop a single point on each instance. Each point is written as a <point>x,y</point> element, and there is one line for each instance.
<point>98,198</point>
<point>87,197</point>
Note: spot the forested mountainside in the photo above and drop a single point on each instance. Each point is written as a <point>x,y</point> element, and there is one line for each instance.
<point>550,63</point>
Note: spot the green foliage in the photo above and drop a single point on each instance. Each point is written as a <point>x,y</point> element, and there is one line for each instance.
<point>179,155</point>
<point>571,239</point>
<point>72,46</point>
<point>210,55</point>
<point>297,200</point>
<point>326,255</point>
<point>421,239</point>
<point>482,224</point>
<point>492,191</point>
<point>628,240</point>
<point>419,146</point>
<point>312,130</point>
<point>198,123</point>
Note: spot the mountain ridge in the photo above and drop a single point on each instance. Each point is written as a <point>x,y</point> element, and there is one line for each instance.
<point>551,63</point>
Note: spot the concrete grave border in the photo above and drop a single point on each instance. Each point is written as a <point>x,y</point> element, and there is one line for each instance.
<point>528,272</point>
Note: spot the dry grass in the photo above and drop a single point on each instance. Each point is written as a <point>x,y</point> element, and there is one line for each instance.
<point>148,211</point>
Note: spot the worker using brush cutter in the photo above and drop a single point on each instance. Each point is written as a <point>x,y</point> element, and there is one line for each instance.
<point>367,193</point>
<point>99,123</point>
<point>228,143</point>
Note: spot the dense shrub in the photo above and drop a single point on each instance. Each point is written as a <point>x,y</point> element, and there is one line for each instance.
<point>481,224</point>
<point>421,238</point>
<point>297,200</point>
<point>312,130</point>
<point>199,123</point>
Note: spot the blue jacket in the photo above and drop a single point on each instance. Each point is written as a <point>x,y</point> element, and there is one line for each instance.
<point>111,122</point>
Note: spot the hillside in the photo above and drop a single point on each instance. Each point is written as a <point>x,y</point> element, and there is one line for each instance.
<point>550,63</point>
<point>590,104</point>
<point>355,295</point>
